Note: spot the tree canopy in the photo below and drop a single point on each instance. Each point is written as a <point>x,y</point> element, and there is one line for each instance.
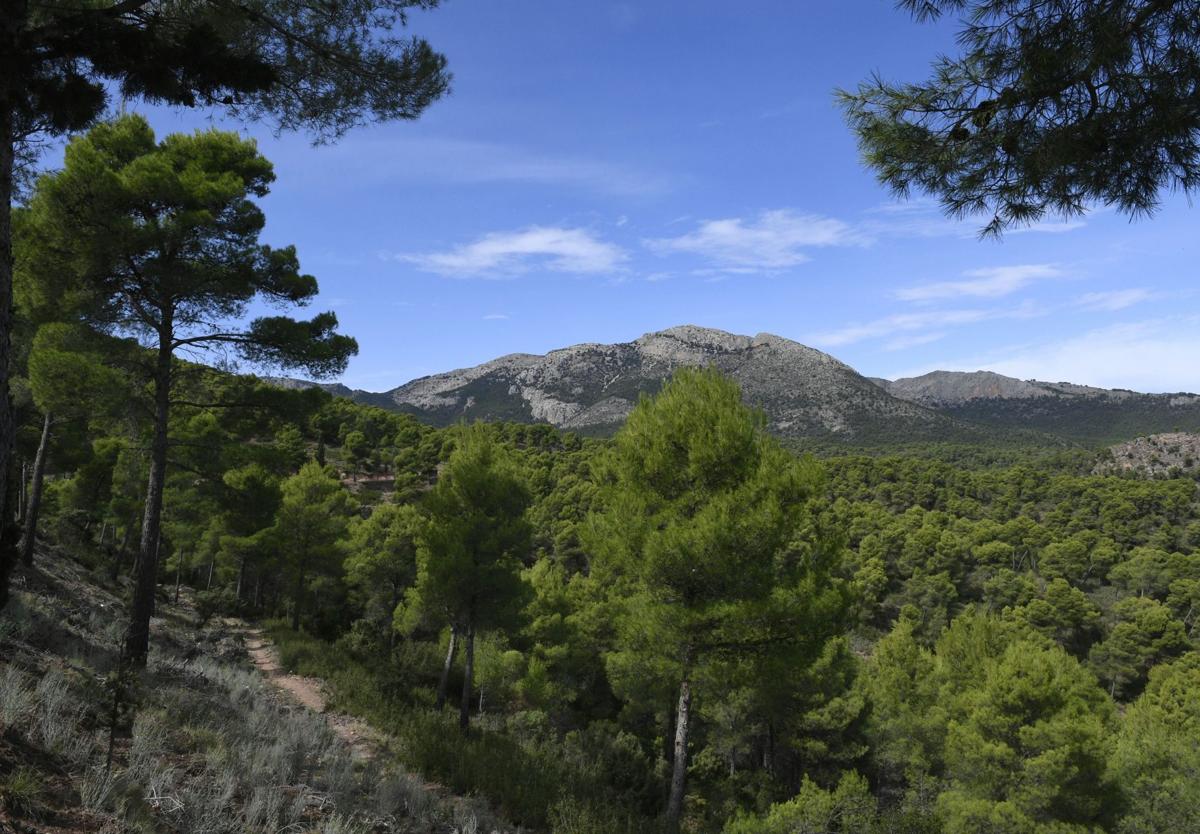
<point>1053,106</point>
<point>700,511</point>
<point>162,239</point>
<point>324,68</point>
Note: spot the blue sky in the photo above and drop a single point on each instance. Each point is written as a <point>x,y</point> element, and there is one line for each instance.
<point>602,170</point>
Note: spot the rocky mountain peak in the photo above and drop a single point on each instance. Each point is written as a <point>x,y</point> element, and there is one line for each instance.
<point>594,386</point>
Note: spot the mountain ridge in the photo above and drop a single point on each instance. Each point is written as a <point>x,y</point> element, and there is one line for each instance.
<point>591,387</point>
<point>1080,413</point>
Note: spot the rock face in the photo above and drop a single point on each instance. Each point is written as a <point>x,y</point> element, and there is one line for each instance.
<point>1156,456</point>
<point>593,387</point>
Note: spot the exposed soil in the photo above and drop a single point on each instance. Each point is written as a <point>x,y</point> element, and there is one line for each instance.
<point>365,741</point>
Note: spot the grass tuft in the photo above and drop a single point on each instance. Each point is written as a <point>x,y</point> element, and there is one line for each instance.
<point>21,792</point>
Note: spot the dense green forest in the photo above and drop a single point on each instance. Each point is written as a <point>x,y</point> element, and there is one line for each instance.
<point>688,626</point>
<point>898,642</point>
<point>685,626</point>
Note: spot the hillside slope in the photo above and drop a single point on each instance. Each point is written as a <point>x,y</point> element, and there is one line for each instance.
<point>202,742</point>
<point>1075,412</point>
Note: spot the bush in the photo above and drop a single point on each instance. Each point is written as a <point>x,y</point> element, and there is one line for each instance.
<point>535,778</point>
<point>21,792</point>
<point>218,601</point>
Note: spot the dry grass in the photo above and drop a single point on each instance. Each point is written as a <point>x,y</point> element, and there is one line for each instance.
<point>211,747</point>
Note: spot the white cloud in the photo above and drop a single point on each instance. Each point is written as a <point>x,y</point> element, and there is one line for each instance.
<point>496,317</point>
<point>549,248</point>
<point>1113,300</point>
<point>994,282</point>
<point>1155,356</point>
<point>772,241</point>
<point>916,323</point>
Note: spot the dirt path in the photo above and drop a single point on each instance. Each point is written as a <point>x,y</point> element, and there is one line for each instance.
<point>365,742</point>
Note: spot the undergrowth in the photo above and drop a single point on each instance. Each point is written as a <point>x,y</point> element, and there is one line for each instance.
<point>201,745</point>
<point>534,776</point>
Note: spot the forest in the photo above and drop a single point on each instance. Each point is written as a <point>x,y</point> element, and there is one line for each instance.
<point>689,626</point>
<point>685,626</point>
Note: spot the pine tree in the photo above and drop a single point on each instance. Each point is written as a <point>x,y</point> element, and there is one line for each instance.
<point>299,65</point>
<point>381,558</point>
<point>313,517</point>
<point>701,514</point>
<point>1054,105</point>
<point>472,550</point>
<point>164,238</point>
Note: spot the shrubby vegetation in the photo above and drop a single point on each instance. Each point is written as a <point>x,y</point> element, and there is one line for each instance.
<point>684,627</point>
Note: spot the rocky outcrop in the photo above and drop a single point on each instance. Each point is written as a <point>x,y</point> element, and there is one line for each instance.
<point>803,391</point>
<point>1171,454</point>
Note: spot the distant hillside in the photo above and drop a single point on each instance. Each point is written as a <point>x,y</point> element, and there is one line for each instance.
<point>334,388</point>
<point>1075,412</point>
<point>1159,455</point>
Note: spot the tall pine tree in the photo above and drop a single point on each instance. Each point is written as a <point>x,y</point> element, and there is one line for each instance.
<point>165,237</point>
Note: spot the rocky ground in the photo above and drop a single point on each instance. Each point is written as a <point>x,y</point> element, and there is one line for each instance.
<point>1156,456</point>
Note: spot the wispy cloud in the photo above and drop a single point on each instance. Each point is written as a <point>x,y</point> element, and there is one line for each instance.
<point>499,254</point>
<point>1113,300</point>
<point>496,317</point>
<point>395,157</point>
<point>920,325</point>
<point>923,217</point>
<point>1049,227</point>
<point>914,340</point>
<point>772,241</point>
<point>993,282</point>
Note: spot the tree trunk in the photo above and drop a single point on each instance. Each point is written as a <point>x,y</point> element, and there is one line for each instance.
<point>769,749</point>
<point>22,498</point>
<point>137,637</point>
<point>11,22</point>
<point>212,564</point>
<point>178,573</point>
<point>296,601</point>
<point>118,555</point>
<point>444,681</point>
<point>464,706</point>
<point>392,621</point>
<point>683,720</point>
<point>35,495</point>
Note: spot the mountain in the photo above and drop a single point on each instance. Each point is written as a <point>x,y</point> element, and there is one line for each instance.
<point>1076,412</point>
<point>591,388</point>
<point>806,394</point>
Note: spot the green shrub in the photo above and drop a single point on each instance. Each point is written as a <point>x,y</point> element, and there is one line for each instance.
<point>221,601</point>
<point>21,792</point>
